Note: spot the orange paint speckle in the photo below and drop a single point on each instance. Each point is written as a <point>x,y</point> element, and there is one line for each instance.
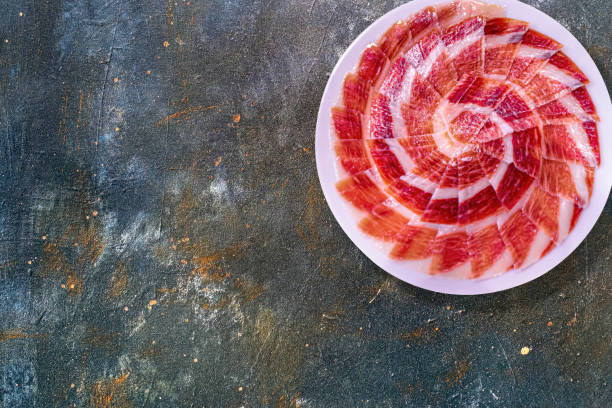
<point>195,360</point>
<point>115,80</point>
<point>151,304</point>
<point>525,351</point>
<point>549,324</point>
<point>239,389</point>
<point>166,44</point>
<point>125,309</point>
<point>44,237</point>
<point>72,385</point>
<point>20,14</point>
<point>148,72</point>
<point>94,213</point>
<point>29,262</point>
<point>184,261</point>
<point>218,161</point>
<point>116,129</point>
<point>237,118</point>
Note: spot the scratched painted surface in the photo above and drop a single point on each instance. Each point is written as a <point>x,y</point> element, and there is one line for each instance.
<point>164,240</point>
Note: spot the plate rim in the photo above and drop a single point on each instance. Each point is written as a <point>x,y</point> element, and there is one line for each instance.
<point>341,210</point>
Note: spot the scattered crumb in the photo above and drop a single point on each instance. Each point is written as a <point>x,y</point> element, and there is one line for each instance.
<point>184,261</point>
<point>237,118</point>
<point>116,129</point>
<point>21,15</point>
<point>436,329</point>
<point>361,328</point>
<point>195,360</point>
<point>44,237</point>
<point>166,44</point>
<point>148,72</point>
<point>306,344</point>
<point>6,41</point>
<point>186,320</point>
<point>71,385</point>
<point>549,324</point>
<point>29,262</point>
<point>125,309</point>
<point>447,307</point>
<point>115,80</point>
<point>525,350</point>
<point>218,161</point>
<point>151,304</point>
<point>94,213</point>
<point>240,389</point>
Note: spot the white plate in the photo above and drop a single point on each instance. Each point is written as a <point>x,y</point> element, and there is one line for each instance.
<point>345,215</point>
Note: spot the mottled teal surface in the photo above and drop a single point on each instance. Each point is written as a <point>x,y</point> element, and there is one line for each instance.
<point>158,250</point>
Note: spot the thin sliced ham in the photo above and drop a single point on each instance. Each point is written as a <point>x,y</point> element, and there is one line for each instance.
<point>466,143</point>
<point>532,54</point>
<point>502,39</point>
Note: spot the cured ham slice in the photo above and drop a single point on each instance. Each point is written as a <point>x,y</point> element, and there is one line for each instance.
<point>355,93</point>
<point>449,252</point>
<point>347,123</point>
<point>386,161</point>
<point>551,213</point>
<point>393,40</point>
<point>533,53</point>
<point>361,191</point>
<point>575,106</point>
<point>384,223</point>
<point>527,151</point>
<point>444,204</point>
<point>502,39</point>
<point>413,242</point>
<point>487,250</point>
<point>525,241</point>
<point>432,62</point>
<point>576,142</point>
<point>352,156</point>
<point>571,181</point>
<point>466,143</point>
<point>510,184</point>
<point>465,44</point>
<point>457,11</point>
<point>557,78</point>
<point>517,110</point>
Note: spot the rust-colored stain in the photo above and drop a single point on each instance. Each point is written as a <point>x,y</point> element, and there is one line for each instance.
<point>420,335</point>
<point>119,281</point>
<point>183,114</point>
<point>19,334</point>
<point>457,373</point>
<point>169,14</point>
<point>110,392</point>
<point>67,257</point>
<point>100,339</point>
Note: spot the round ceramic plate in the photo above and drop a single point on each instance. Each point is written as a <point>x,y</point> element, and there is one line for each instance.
<point>345,215</point>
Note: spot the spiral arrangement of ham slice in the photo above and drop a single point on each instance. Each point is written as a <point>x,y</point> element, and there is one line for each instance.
<point>466,141</point>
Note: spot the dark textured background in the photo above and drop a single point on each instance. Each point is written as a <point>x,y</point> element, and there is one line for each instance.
<point>164,240</point>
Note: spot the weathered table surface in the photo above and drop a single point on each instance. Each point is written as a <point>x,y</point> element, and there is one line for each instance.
<point>165,242</point>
